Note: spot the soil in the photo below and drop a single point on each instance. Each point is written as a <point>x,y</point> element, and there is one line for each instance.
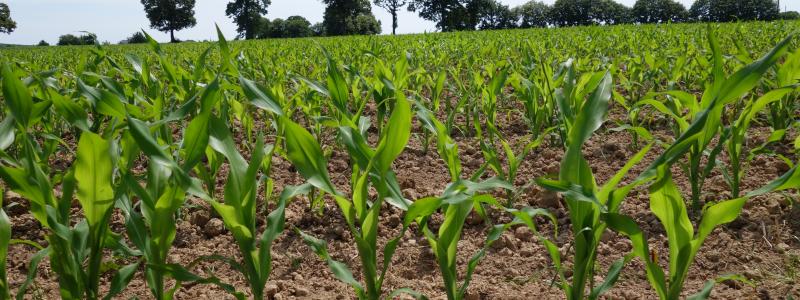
<point>762,245</point>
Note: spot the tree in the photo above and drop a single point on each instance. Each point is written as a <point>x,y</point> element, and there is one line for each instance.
<point>571,12</point>
<point>658,11</point>
<point>532,14</point>
<point>789,15</point>
<point>43,43</point>
<point>247,16</point>
<point>87,38</point>
<point>733,10</point>
<point>68,39</point>
<point>364,24</point>
<point>277,28</point>
<point>587,12</point>
<point>497,16</point>
<point>344,17</point>
<point>700,10</point>
<point>318,29</point>
<point>170,15</point>
<point>392,6</point>
<point>609,12</point>
<point>7,25</point>
<point>135,38</point>
<point>297,26</point>
<point>451,15</point>
<point>264,28</point>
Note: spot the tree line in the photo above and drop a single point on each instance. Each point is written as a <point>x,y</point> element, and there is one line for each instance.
<point>354,17</point>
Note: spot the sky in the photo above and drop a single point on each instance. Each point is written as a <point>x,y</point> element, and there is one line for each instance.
<point>115,20</point>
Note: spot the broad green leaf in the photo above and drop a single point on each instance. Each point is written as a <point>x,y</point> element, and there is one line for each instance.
<point>260,97</point>
<point>396,134</point>
<point>16,96</point>
<point>195,141</point>
<point>306,155</point>
<point>94,171</point>
<point>715,215</point>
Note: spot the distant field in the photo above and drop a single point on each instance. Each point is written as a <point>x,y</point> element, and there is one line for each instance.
<point>636,162</point>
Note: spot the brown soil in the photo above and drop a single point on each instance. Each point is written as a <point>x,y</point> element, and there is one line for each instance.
<point>763,245</point>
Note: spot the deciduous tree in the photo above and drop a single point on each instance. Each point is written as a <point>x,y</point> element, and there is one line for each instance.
<point>533,14</point>
<point>247,14</point>
<point>343,17</point>
<point>658,11</point>
<point>7,25</point>
<point>170,15</point>
<point>392,6</point>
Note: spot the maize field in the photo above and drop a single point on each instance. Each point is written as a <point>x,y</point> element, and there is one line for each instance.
<point>602,162</point>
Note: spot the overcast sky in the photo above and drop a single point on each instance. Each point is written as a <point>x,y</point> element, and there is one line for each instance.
<point>114,20</point>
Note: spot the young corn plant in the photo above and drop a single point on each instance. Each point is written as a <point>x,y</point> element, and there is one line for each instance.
<point>666,201</point>
<point>586,201</point>
<point>457,202</point>
<point>491,155</point>
<point>704,121</point>
<point>736,136</point>
<point>668,206</point>
<point>238,211</point>
<point>537,109</point>
<point>167,185</point>
<point>372,168</point>
<point>75,252</point>
<point>459,199</point>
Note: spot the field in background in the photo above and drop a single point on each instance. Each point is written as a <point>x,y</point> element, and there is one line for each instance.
<point>568,159</point>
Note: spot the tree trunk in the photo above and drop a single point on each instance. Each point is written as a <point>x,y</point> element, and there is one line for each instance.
<point>172,36</point>
<point>394,21</point>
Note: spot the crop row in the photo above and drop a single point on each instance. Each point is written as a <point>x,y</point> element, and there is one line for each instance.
<point>141,130</point>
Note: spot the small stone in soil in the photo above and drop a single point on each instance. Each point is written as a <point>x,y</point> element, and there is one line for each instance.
<point>549,199</point>
<point>214,227</point>
<point>301,292</point>
<point>200,218</point>
<point>523,233</point>
<point>271,290</point>
<point>782,247</point>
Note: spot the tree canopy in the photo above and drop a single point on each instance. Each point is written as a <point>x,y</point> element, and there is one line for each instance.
<point>71,39</point>
<point>135,38</point>
<point>733,10</point>
<point>532,14</point>
<point>170,15</point>
<point>658,11</point>
<point>247,16</point>
<point>496,15</point>
<point>452,15</point>
<point>7,25</point>
<point>345,17</point>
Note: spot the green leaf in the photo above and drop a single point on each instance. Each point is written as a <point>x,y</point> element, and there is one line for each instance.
<point>306,155</point>
<point>625,225</point>
<point>17,96</point>
<point>340,270</point>
<point>747,78</point>
<point>94,172</point>
<point>715,215</point>
<point>195,141</point>
<point>703,293</point>
<point>121,280</point>
<point>592,112</point>
<point>395,137</point>
<point>33,267</point>
<point>669,207</point>
<point>260,97</point>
